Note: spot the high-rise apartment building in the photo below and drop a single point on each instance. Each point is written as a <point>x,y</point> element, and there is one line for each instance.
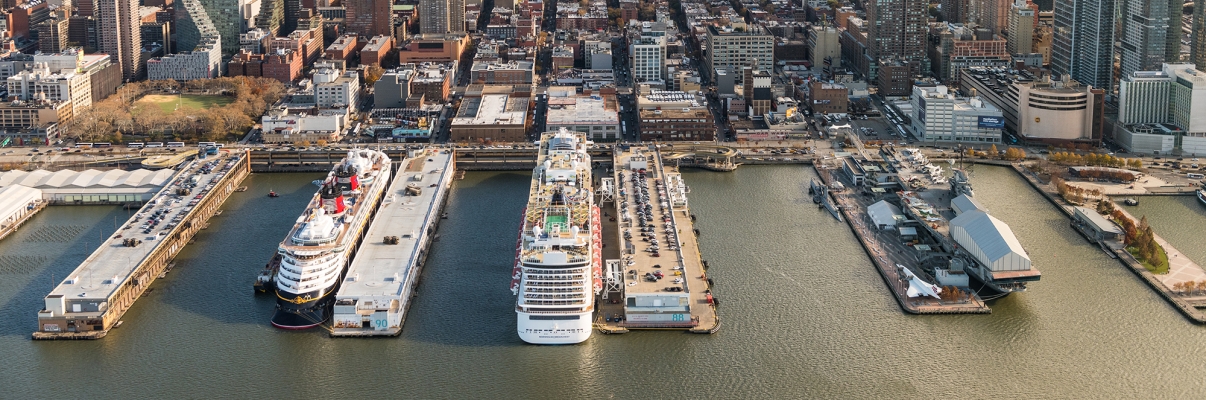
<point>119,34</point>
<point>1163,111</point>
<point>368,18</point>
<point>1143,97</point>
<point>1084,41</point>
<point>200,43</point>
<point>52,35</point>
<point>823,47</point>
<point>227,18</point>
<point>271,16</point>
<point>731,49</point>
<point>897,31</point>
<point>955,11</point>
<point>1197,46</point>
<point>1020,34</point>
<point>441,16</point>
<point>1145,34</point>
<point>993,14</point>
<point>649,59</point>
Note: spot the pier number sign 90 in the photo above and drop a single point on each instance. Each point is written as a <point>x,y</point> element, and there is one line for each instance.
<point>379,323</point>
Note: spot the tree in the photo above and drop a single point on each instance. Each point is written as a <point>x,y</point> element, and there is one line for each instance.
<point>993,152</point>
<point>372,73</point>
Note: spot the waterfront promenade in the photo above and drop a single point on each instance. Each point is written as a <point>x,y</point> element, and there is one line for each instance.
<point>1181,268</point>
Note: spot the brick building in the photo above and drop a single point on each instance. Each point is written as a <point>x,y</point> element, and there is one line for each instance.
<point>283,65</point>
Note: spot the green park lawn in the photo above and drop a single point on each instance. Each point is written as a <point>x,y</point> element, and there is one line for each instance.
<point>168,103</point>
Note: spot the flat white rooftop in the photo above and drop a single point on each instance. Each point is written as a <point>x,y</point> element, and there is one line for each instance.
<point>383,269</point>
<point>493,109</point>
<point>580,110</point>
<point>110,266</point>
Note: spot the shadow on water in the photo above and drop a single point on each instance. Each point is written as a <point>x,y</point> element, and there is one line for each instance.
<point>213,275</point>
<point>64,254</point>
<point>465,297</point>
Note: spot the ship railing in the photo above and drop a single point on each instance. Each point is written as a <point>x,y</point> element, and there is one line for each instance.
<point>572,289</point>
<point>545,277</point>
<point>566,295</point>
<point>528,302</point>
<point>532,283</point>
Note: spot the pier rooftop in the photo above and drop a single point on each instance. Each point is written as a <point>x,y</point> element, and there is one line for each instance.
<point>378,286</point>
<point>89,291</point>
<point>680,298</point>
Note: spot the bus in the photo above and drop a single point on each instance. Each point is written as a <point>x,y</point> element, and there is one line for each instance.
<point>84,145</point>
<point>202,144</point>
<point>101,145</point>
<point>152,145</point>
<point>135,145</point>
<point>1192,175</point>
<point>175,144</point>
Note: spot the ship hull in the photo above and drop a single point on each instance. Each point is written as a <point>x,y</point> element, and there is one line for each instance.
<point>566,329</point>
<point>293,316</point>
<point>1202,196</point>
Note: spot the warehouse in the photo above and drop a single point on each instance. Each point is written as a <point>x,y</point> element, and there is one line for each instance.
<point>90,186</point>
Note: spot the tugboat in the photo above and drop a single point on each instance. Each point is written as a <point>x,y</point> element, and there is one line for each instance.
<point>272,193</point>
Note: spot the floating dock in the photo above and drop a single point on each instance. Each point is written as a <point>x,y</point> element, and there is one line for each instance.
<point>662,286</point>
<point>93,298</point>
<point>378,287</point>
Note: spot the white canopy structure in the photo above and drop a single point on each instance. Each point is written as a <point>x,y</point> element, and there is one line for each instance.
<point>91,186</point>
<point>964,203</point>
<point>15,201</point>
<point>990,241</point>
<point>884,214</point>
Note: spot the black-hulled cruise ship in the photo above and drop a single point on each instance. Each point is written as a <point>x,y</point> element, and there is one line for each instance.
<point>317,251</point>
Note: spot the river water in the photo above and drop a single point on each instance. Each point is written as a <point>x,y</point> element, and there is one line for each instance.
<point>804,313</point>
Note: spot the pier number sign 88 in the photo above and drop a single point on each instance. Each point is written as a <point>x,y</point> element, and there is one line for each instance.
<point>678,317</point>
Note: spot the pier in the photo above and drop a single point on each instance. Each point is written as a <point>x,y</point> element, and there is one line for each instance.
<point>886,251</point>
<point>1181,268</point>
<point>94,297</point>
<point>659,281</point>
<point>380,282</point>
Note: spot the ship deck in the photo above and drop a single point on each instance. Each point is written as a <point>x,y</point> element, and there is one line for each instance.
<point>656,306</point>
<point>376,291</point>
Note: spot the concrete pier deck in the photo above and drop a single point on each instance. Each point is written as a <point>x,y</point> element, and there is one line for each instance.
<point>93,298</point>
<point>377,289</point>
<point>681,298</point>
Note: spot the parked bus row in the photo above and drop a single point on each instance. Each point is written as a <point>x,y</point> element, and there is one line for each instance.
<point>148,145</point>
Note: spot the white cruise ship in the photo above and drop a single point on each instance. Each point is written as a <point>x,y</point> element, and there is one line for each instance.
<point>557,266</point>
<point>316,252</point>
